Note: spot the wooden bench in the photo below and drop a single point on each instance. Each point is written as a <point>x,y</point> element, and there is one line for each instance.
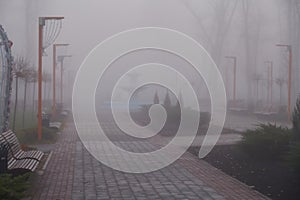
<point>17,158</point>
<point>55,125</point>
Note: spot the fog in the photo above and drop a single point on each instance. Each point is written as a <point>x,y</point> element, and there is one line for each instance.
<point>248,30</point>
<point>150,99</point>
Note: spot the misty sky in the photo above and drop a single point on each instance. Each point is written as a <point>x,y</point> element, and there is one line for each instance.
<point>88,22</point>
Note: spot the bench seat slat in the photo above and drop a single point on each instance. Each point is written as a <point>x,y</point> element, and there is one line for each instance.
<point>37,155</point>
<point>28,164</point>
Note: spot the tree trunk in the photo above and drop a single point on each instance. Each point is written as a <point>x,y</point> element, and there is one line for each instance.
<point>24,104</point>
<point>49,91</point>
<point>33,95</point>
<point>16,103</point>
<point>280,95</point>
<point>257,93</point>
<point>45,90</point>
<point>252,33</point>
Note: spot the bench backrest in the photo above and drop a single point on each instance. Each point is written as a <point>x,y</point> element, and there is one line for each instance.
<point>4,143</point>
<point>10,139</point>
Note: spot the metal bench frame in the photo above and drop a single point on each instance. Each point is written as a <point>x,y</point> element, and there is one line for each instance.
<point>17,158</point>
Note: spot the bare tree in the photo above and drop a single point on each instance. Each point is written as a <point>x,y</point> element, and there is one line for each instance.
<point>215,35</point>
<point>156,98</point>
<point>33,80</point>
<point>19,66</point>
<point>294,34</point>
<point>46,79</point>
<point>280,82</point>
<point>167,101</point>
<point>26,76</point>
<point>251,18</point>
<point>257,78</point>
<point>291,13</point>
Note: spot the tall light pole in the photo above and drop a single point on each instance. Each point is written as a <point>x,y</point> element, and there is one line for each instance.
<point>42,23</point>
<point>234,58</point>
<point>270,81</point>
<point>54,74</point>
<point>289,48</point>
<point>61,60</point>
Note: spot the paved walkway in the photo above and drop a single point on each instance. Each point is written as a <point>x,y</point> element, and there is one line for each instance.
<point>72,173</point>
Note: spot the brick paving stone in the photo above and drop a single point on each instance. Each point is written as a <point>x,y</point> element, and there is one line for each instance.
<point>73,173</point>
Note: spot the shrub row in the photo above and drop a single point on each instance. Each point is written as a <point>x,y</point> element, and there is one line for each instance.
<point>269,141</point>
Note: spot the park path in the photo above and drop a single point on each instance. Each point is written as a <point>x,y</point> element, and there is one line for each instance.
<point>72,173</point>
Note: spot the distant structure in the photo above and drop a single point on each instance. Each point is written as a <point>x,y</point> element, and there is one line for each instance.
<point>6,61</point>
<point>179,101</point>
<point>167,101</point>
<point>133,79</point>
<point>156,98</point>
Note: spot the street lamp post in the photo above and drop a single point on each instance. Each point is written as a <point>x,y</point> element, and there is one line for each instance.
<point>42,22</point>
<point>270,81</point>
<point>54,74</point>
<point>61,60</point>
<point>289,48</point>
<point>234,58</point>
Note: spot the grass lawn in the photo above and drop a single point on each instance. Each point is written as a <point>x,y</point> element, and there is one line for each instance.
<point>30,119</point>
<point>29,136</point>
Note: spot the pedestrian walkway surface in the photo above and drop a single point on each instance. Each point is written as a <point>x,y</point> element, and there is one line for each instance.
<point>73,173</point>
